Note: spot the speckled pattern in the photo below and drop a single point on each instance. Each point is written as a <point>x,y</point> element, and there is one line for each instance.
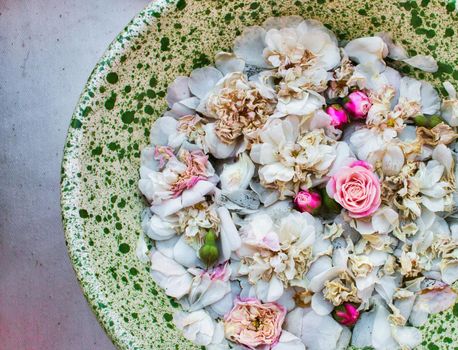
<point>100,202</point>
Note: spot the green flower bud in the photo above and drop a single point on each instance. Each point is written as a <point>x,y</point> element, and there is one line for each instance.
<point>435,120</point>
<point>421,120</point>
<point>209,253</point>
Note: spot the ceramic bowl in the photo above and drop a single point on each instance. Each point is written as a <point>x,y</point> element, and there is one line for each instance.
<point>101,204</point>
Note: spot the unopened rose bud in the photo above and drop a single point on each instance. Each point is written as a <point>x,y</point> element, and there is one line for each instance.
<point>338,115</point>
<point>307,201</point>
<point>346,314</point>
<point>358,104</point>
<point>209,253</point>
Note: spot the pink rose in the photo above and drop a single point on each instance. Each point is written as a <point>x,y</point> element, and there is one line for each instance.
<point>307,201</point>
<point>346,314</point>
<point>356,188</point>
<point>338,115</point>
<point>358,104</point>
<point>254,324</point>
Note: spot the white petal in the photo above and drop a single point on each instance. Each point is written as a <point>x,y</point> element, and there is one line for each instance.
<point>161,130</point>
<point>289,341</point>
<point>393,160</point>
<point>362,332</point>
<point>449,272</point>
<point>317,282</point>
<point>368,49</point>
<point>320,305</point>
<point>407,337</point>
<point>381,333</point>
<point>443,155</point>
<point>196,326</point>
<point>263,153</point>
<point>178,90</point>
<point>250,46</point>
<point>228,63</point>
<point>269,291</point>
<point>141,250</point>
<point>203,80</point>
<point>184,254</point>
<point>425,63</point>
<point>430,100</point>
<point>396,52</point>
<point>157,228</point>
<point>170,275</point>
<point>320,332</point>
<point>229,236</point>
<point>168,207</point>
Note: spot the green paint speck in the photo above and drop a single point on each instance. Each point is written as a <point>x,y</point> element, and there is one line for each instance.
<point>124,248</point>
<point>449,32</point>
<point>83,213</point>
<point>76,123</point>
<point>112,78</point>
<point>128,117</point>
<point>110,102</point>
<point>168,317</point>
<point>165,44</point>
<point>181,4</point>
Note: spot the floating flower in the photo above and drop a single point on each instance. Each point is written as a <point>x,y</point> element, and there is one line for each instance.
<point>254,324</point>
<point>307,201</point>
<point>239,108</point>
<point>358,104</point>
<point>357,189</point>
<point>346,314</point>
<point>338,115</point>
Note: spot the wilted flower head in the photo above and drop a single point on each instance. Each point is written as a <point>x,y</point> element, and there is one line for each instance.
<point>254,324</point>
<point>239,107</point>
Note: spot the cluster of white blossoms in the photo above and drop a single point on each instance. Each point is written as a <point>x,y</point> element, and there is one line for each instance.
<point>302,194</point>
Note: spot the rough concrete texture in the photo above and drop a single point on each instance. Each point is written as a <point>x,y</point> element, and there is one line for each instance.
<point>47,51</point>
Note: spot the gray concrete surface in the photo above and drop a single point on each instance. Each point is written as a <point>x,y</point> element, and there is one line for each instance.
<point>47,50</point>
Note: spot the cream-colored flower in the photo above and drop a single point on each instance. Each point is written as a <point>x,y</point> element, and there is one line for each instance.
<point>360,265</point>
<point>410,264</point>
<point>277,248</point>
<point>288,160</point>
<point>239,108</point>
<point>341,289</point>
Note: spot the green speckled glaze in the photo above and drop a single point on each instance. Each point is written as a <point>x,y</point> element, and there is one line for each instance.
<point>100,202</point>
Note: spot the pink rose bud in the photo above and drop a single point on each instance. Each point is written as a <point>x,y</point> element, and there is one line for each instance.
<point>338,115</point>
<point>346,314</point>
<point>307,201</point>
<point>358,104</point>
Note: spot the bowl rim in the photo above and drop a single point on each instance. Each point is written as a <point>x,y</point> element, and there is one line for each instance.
<point>71,163</point>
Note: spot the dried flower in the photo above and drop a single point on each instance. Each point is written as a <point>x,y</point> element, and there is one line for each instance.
<point>254,324</point>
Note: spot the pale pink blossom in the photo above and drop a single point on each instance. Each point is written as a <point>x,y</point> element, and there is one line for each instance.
<point>306,201</point>
<point>253,324</point>
<point>162,154</point>
<point>196,169</point>
<point>357,189</point>
<point>338,115</point>
<point>358,104</point>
